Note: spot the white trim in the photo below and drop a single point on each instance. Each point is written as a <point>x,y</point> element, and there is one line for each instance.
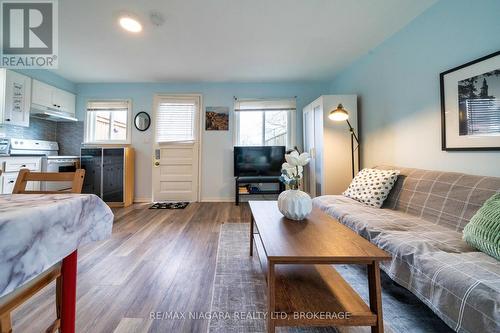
<point>290,133</point>
<point>217,199</point>
<point>143,200</point>
<point>109,142</point>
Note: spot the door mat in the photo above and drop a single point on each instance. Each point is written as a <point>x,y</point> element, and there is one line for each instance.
<point>169,205</point>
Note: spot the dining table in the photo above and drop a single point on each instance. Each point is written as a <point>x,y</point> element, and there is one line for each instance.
<point>38,231</point>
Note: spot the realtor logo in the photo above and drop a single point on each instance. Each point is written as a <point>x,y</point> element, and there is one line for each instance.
<point>29,34</point>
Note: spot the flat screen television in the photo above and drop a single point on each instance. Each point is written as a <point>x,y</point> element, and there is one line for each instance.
<point>258,161</point>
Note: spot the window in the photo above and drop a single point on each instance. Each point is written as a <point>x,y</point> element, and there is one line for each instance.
<point>176,118</point>
<point>108,122</point>
<point>265,122</point>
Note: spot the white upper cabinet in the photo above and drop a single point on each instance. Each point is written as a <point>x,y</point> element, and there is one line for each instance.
<point>48,97</point>
<point>42,94</point>
<point>64,101</point>
<point>15,98</point>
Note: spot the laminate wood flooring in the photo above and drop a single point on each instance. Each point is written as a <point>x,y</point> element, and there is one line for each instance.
<point>157,261</point>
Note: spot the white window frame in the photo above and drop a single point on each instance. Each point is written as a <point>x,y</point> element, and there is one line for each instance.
<point>198,116</point>
<point>87,125</point>
<point>291,124</point>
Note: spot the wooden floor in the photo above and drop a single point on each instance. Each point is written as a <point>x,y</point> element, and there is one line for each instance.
<point>156,261</point>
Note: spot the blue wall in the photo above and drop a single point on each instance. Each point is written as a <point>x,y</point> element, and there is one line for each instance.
<point>49,78</point>
<point>217,173</point>
<point>398,86</point>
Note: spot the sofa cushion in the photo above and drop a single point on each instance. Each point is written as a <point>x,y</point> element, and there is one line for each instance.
<point>449,199</point>
<point>459,283</point>
<point>483,230</point>
<point>372,186</point>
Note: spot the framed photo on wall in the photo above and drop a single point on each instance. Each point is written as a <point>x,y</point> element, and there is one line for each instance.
<point>217,118</point>
<point>470,105</point>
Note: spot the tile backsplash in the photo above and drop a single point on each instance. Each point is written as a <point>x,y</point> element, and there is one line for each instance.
<point>69,135</point>
<point>39,129</point>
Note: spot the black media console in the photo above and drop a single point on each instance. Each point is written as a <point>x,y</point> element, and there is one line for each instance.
<point>248,180</point>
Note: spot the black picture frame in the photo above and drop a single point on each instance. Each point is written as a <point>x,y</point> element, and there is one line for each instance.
<point>442,75</point>
<point>135,121</point>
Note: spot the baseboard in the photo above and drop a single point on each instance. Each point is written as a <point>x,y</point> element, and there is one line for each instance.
<point>142,200</point>
<point>222,199</point>
<point>217,199</point>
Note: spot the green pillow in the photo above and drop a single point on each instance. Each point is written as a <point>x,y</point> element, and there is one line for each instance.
<point>483,230</point>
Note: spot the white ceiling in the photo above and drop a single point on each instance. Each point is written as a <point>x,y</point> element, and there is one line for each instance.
<point>224,40</point>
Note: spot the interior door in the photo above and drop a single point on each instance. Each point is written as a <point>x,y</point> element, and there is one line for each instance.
<point>176,149</point>
<point>309,147</point>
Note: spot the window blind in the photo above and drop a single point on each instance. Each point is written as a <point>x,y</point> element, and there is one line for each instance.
<point>175,121</point>
<point>108,105</point>
<point>288,104</point>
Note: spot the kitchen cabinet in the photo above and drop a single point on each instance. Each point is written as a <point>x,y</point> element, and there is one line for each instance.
<point>45,96</point>
<point>12,165</point>
<point>15,98</point>
<point>109,174</point>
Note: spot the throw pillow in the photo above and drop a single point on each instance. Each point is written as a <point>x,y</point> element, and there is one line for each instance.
<point>483,230</point>
<point>372,186</point>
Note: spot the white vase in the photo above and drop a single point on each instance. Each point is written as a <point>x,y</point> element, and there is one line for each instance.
<point>295,204</point>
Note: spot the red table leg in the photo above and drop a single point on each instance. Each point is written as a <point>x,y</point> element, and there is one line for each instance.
<point>68,301</point>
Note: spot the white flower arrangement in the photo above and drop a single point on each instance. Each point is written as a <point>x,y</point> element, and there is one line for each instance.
<point>292,170</point>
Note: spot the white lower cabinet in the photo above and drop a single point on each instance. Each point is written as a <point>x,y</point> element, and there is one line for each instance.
<point>11,167</point>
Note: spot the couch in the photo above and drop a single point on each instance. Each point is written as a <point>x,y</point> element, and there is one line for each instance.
<point>421,224</point>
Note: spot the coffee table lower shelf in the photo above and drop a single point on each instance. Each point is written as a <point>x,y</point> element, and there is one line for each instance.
<point>312,295</point>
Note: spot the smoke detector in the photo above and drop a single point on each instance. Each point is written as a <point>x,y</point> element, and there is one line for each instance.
<point>156,18</point>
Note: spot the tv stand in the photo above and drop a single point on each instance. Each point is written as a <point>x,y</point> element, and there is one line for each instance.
<point>256,180</point>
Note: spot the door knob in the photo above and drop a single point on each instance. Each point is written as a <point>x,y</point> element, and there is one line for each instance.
<point>157,163</point>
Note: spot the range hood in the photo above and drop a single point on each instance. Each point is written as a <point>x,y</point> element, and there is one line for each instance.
<point>43,112</point>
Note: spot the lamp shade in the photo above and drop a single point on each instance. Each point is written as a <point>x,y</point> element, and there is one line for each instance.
<point>339,114</point>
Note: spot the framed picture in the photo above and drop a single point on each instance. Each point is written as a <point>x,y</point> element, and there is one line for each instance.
<point>217,118</point>
<point>470,105</point>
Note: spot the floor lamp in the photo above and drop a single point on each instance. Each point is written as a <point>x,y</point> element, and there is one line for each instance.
<point>341,114</point>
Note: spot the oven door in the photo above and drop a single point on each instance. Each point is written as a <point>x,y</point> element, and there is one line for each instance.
<point>58,166</point>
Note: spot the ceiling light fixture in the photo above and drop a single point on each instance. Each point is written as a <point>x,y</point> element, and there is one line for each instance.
<point>130,24</point>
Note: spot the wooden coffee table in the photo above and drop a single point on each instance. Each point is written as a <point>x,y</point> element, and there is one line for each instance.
<point>303,287</point>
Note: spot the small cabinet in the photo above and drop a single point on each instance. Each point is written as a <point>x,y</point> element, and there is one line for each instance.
<point>11,167</point>
<point>15,98</point>
<point>109,174</point>
<point>49,97</point>
<point>91,161</point>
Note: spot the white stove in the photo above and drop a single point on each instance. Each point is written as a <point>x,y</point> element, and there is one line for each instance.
<point>51,160</point>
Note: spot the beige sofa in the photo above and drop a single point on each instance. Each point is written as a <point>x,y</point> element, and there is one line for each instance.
<point>421,225</point>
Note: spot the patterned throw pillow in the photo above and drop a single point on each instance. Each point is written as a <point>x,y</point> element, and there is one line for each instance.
<point>483,230</point>
<point>372,186</point>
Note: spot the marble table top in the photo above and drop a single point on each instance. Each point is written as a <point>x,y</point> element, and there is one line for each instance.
<point>39,230</point>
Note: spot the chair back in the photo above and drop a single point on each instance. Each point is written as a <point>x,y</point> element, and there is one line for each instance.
<point>76,178</point>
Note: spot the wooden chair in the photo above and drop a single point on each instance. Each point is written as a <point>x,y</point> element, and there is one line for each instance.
<point>19,296</point>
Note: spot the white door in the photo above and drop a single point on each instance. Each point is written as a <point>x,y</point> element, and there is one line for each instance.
<point>309,147</point>
<point>176,148</point>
